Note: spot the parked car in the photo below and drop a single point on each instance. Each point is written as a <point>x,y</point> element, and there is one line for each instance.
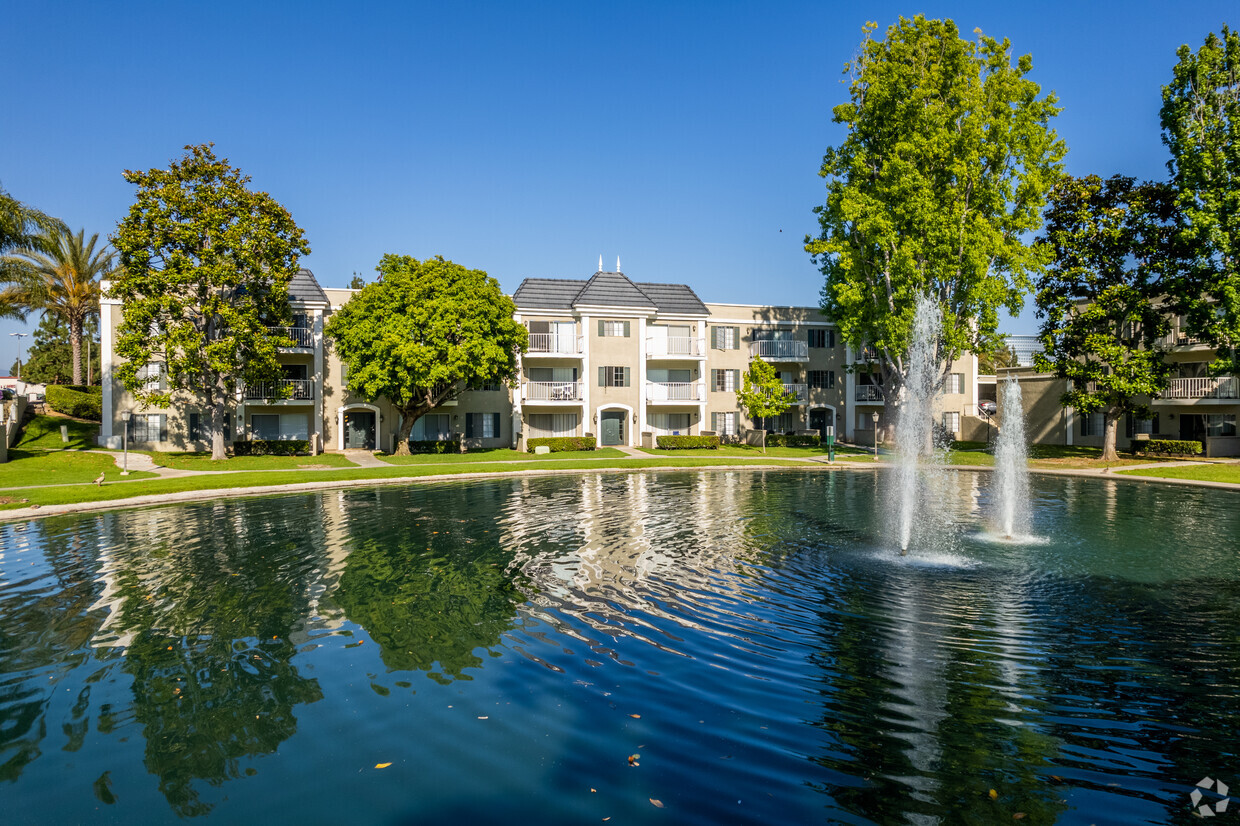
<point>987,408</point>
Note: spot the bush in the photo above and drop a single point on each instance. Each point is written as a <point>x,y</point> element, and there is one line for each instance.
<point>559,444</point>
<point>792,440</point>
<point>687,442</point>
<point>435,446</point>
<point>78,402</point>
<point>282,447</point>
<point>1170,447</point>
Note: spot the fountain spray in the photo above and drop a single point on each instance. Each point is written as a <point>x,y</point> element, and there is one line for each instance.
<point>1012,465</point>
<point>915,422</point>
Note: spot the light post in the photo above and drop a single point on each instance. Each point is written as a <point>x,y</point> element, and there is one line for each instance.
<point>125,416</point>
<point>20,336</point>
<point>874,418</point>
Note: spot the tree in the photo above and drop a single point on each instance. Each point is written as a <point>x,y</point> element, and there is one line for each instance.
<point>944,171</point>
<point>50,357</point>
<point>1103,328</point>
<point>357,282</point>
<point>205,269</point>
<point>1201,126</point>
<point>425,332</point>
<point>60,275</point>
<point>762,394</point>
<point>21,227</point>
<point>989,363</point>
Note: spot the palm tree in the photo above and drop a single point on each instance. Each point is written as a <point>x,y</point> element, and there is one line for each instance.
<point>59,274</point>
<point>21,227</point>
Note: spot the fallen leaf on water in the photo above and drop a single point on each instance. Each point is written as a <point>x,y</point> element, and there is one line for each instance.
<point>382,765</point>
<point>633,758</point>
<point>1018,816</point>
<point>606,818</point>
<point>658,803</point>
<point>994,795</point>
<point>636,716</point>
<point>593,791</point>
<point>484,718</point>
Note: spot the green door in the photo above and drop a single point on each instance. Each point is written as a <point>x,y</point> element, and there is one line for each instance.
<point>359,430</point>
<point>613,427</point>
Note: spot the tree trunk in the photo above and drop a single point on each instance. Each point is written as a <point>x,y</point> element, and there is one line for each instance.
<point>407,418</point>
<point>75,346</point>
<point>764,440</point>
<point>1110,430</point>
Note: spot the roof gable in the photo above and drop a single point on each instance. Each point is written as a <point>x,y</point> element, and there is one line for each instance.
<point>612,289</point>
<point>305,289</point>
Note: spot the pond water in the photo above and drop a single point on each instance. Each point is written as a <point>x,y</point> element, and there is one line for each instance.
<point>717,647</point>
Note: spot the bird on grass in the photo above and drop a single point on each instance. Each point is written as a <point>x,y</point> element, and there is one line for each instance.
<point>99,480</point>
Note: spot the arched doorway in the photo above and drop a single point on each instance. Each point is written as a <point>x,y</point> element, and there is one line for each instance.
<point>820,418</point>
<point>358,427</point>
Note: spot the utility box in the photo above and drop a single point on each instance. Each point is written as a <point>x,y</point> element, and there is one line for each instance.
<point>830,440</point>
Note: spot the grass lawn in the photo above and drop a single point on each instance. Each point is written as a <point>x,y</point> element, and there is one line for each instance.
<point>1198,473</point>
<point>1048,457</point>
<point>500,454</point>
<point>43,433</point>
<point>850,454</point>
<point>59,467</point>
<point>203,461</point>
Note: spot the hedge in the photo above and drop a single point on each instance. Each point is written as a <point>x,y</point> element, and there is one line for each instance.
<point>559,444</point>
<point>1174,447</point>
<point>687,442</point>
<point>78,402</point>
<point>281,447</point>
<point>781,440</point>
<point>435,446</point>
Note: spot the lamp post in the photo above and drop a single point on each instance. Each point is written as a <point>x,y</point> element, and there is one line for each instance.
<point>874,418</point>
<point>125,416</point>
<point>20,336</point>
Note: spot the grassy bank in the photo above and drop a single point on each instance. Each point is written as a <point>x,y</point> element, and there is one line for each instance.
<point>59,467</point>
<point>500,454</point>
<point>850,454</point>
<point>43,433</point>
<point>203,461</point>
<point>1197,473</point>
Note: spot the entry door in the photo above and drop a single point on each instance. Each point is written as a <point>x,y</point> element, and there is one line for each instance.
<point>1192,427</point>
<point>359,430</point>
<point>613,427</point>
<point>820,420</point>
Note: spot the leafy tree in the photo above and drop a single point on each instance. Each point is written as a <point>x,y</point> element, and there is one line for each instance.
<point>50,357</point>
<point>60,274</point>
<point>357,282</point>
<point>205,269</point>
<point>944,171</point>
<point>1201,127</point>
<point>1102,328</point>
<point>21,227</point>
<point>762,394</point>
<point>425,332</point>
<point>989,363</point>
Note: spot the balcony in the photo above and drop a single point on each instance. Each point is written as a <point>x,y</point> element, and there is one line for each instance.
<point>780,350</point>
<point>869,393</point>
<point>552,391</point>
<point>554,345</point>
<point>302,337</point>
<point>295,390</point>
<point>675,392</point>
<point>800,392</point>
<point>867,352</point>
<point>673,347</point>
<point>1216,387</point>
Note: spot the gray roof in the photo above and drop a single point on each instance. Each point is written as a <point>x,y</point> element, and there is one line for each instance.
<point>304,289</point>
<point>607,289</point>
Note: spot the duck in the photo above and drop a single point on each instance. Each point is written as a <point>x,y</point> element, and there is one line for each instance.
<point>99,480</point>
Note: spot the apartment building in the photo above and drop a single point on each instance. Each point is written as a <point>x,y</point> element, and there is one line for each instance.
<point>621,360</point>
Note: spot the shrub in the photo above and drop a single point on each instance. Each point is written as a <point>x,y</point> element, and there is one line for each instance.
<point>791,440</point>
<point>558,444</point>
<point>1172,447</point>
<point>435,446</point>
<point>75,402</point>
<point>281,447</point>
<point>687,442</point>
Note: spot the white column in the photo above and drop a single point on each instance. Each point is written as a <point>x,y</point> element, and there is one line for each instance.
<point>849,417</point>
<point>635,439</point>
<point>587,380</point>
<point>320,381</point>
<point>105,365</point>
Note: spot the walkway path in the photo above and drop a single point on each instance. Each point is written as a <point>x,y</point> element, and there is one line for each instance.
<point>364,458</point>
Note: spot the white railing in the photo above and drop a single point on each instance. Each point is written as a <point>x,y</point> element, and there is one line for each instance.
<point>675,391</point>
<point>782,350</point>
<point>1217,387</point>
<point>295,389</point>
<point>869,393</point>
<point>673,346</point>
<point>552,391</point>
<point>554,344</point>
<point>301,336</point>
<point>799,391</point>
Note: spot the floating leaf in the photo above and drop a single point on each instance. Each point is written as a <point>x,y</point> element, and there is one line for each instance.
<point>994,795</point>
<point>593,791</point>
<point>636,716</point>
<point>657,803</point>
<point>633,758</point>
<point>382,765</point>
<point>1019,816</point>
<point>484,718</point>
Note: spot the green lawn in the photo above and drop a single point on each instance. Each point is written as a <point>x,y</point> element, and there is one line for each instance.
<point>43,432</point>
<point>1198,473</point>
<point>203,461</point>
<point>59,467</point>
<point>1048,457</point>
<point>500,454</point>
<point>748,452</point>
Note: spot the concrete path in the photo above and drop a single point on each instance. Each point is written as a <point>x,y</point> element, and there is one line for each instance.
<point>364,458</point>
<point>143,462</point>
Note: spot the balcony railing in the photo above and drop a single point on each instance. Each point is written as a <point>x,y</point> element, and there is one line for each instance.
<point>673,347</point>
<point>552,391</point>
<point>294,389</point>
<point>869,393</point>
<point>554,344</point>
<point>1217,387</point>
<point>800,392</point>
<point>782,350</point>
<point>675,391</point>
<point>301,336</point>
<point>867,352</point>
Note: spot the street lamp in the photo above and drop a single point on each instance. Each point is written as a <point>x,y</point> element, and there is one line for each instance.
<point>874,418</point>
<point>125,416</point>
<point>20,336</point>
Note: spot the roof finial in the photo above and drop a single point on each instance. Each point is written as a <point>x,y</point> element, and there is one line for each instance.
<point>618,264</point>
<point>600,262</point>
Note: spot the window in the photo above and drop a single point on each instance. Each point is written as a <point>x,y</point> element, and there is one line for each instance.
<point>489,388</point>
<point>783,423</point>
<point>818,339</point>
<point>1221,425</point>
<point>482,425</point>
<point>200,430</point>
<point>1134,426</point>
<point>725,381</point>
<point>148,427</point>
<point>951,422</point>
<point>433,427</point>
<point>723,423</point>
<point>613,377</point>
<point>821,379</point>
<point>669,424</point>
<point>543,425</point>
<point>955,383</point>
<point>344,376</point>
<point>151,376</point>
<point>725,338</point>
<point>1091,424</point>
<point>618,329</point>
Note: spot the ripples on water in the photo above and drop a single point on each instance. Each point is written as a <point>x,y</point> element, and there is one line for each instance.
<point>753,638</point>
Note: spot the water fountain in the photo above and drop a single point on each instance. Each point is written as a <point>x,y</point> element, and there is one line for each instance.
<point>915,446</point>
<point>1011,466</point>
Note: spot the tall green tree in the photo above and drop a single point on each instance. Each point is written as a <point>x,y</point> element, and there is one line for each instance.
<point>205,268</point>
<point>1103,324</point>
<point>762,394</point>
<point>944,171</point>
<point>21,227</point>
<point>1201,126</point>
<point>50,357</point>
<point>425,332</point>
<point>60,275</point>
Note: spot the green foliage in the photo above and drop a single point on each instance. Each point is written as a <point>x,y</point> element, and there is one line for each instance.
<point>792,440</point>
<point>435,446</point>
<point>1109,242</point>
<point>81,403</point>
<point>1201,127</point>
<point>205,269</point>
<point>989,362</point>
<point>1168,447</point>
<point>50,357</point>
<point>272,447</point>
<point>562,443</point>
<point>425,332</point>
<point>762,393</point>
<point>687,442</point>
<point>21,227</point>
<point>943,173</point>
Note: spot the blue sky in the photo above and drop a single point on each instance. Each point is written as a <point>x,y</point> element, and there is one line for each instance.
<point>528,139</point>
